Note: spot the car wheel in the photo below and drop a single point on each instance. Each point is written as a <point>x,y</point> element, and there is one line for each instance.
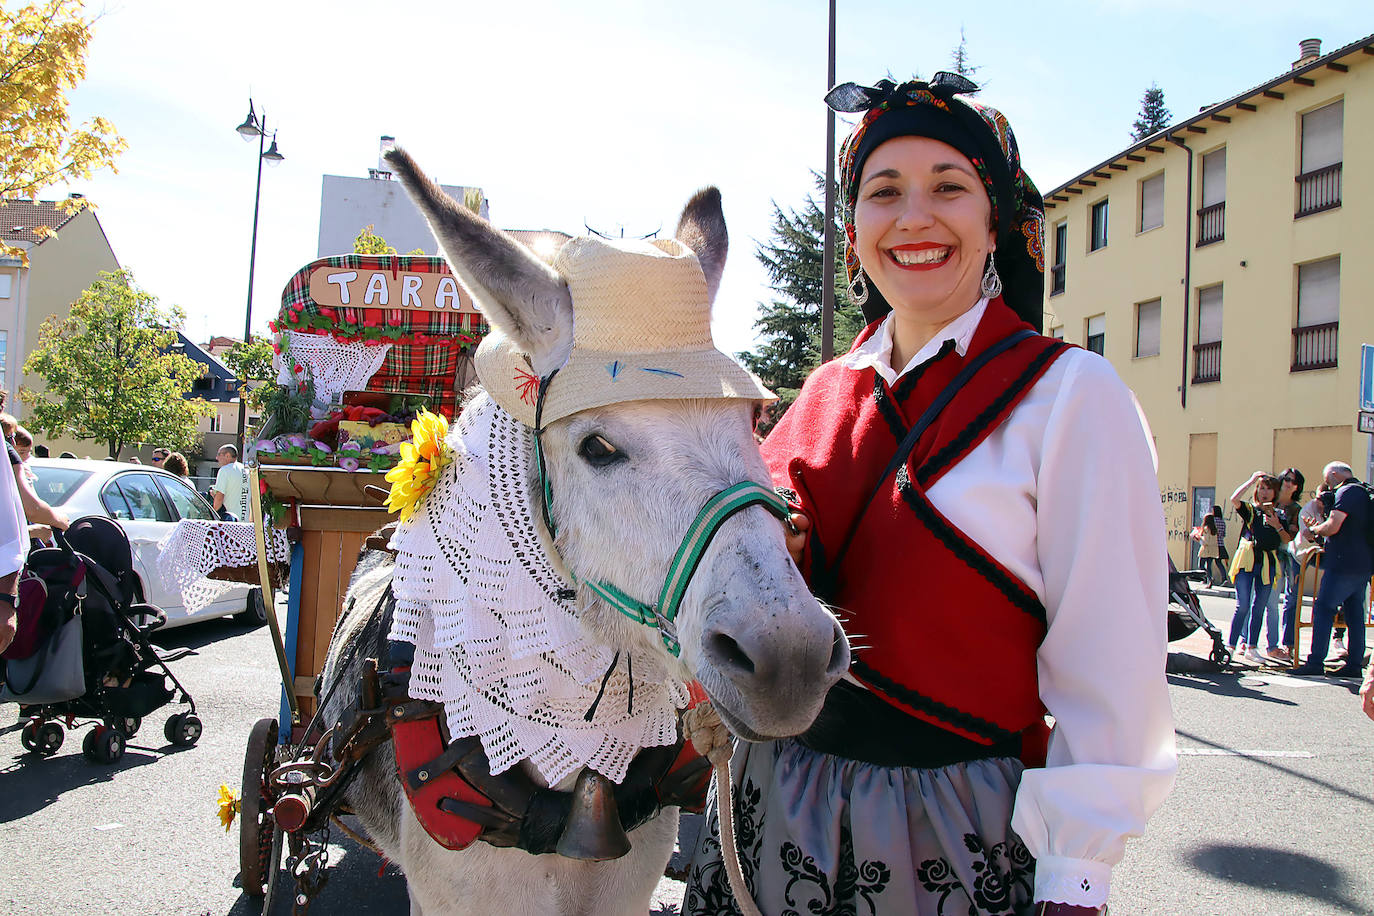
<point>254,613</point>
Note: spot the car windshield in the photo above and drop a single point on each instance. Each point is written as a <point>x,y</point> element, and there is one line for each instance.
<point>56,485</point>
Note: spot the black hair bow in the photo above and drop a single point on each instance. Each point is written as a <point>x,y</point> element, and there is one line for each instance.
<point>851,97</point>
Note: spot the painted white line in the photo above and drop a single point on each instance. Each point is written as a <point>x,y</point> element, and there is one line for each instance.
<point>109,826</point>
<point>1227,752</point>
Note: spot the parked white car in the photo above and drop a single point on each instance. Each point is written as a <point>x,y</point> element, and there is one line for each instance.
<point>147,503</point>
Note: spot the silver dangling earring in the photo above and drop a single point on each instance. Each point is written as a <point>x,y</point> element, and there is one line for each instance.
<point>992,284</point>
<point>858,288</point>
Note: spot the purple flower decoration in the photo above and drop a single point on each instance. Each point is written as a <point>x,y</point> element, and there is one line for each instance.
<point>349,463</point>
<point>299,440</point>
<point>320,446</point>
<point>266,445</point>
<point>350,446</point>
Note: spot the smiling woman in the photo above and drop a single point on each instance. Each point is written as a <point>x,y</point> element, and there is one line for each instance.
<point>973,493</point>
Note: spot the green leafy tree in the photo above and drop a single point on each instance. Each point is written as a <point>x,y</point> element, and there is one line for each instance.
<point>369,242</point>
<point>1153,116</point>
<point>251,363</point>
<point>111,373</point>
<point>789,327</point>
<point>42,57</point>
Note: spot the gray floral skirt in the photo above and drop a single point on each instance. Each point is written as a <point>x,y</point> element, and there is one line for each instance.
<point>819,834</point>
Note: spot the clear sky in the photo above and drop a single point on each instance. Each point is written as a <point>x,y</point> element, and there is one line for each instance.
<point>608,112</point>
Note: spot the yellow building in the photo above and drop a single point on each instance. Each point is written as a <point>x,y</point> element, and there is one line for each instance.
<point>1223,266</point>
<point>60,269</point>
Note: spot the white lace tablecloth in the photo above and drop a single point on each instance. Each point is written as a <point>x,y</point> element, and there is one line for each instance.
<point>195,548</point>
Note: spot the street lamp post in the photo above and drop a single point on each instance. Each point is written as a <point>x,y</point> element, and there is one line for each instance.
<point>250,128</point>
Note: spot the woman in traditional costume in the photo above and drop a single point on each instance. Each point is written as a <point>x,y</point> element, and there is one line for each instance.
<point>984,515</point>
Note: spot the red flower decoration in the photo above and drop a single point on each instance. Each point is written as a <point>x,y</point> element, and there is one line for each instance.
<point>328,313</point>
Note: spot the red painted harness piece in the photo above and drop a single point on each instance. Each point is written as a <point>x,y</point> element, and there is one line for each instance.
<point>416,743</point>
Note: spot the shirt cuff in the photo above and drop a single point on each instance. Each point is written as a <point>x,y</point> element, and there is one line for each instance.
<point>1081,882</point>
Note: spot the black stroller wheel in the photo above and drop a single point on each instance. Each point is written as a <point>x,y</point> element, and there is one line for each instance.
<point>28,736</point>
<point>183,729</point>
<point>129,725</point>
<point>109,746</point>
<point>50,738</point>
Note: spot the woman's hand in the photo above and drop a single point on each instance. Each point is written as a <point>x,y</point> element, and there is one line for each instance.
<point>796,543</point>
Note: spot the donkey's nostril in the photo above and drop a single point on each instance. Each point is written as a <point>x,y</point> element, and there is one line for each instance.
<point>839,654</point>
<point>726,653</point>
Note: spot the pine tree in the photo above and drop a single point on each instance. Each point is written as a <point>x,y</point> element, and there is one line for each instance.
<point>1153,116</point>
<point>790,326</point>
<point>959,60</point>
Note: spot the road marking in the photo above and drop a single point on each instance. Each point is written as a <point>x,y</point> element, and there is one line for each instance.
<point>1228,752</point>
<point>109,826</point>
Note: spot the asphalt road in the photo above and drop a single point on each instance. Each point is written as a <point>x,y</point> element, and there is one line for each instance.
<point>1271,813</point>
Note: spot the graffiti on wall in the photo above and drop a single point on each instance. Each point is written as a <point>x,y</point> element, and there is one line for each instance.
<point>1178,520</point>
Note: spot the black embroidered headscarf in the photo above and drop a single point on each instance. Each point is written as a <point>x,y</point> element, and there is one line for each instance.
<point>930,109</point>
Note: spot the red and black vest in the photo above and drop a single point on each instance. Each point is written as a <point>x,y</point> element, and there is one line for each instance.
<point>947,634</point>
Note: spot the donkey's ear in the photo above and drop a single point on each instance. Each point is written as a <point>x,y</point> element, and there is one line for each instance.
<point>520,295</point>
<point>702,229</point>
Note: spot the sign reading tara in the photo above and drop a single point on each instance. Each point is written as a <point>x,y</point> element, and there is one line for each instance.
<point>1367,377</point>
<point>346,287</point>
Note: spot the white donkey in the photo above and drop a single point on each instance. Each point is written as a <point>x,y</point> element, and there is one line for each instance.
<point>622,483</point>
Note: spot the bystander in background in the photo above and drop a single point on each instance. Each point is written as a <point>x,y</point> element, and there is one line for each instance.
<point>1346,567</point>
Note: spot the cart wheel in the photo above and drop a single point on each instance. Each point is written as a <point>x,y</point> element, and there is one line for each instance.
<point>257,829</point>
<point>187,730</point>
<point>50,738</point>
<point>272,870</point>
<point>88,743</point>
<point>28,735</point>
<point>129,725</point>
<point>1221,657</point>
<point>109,746</point>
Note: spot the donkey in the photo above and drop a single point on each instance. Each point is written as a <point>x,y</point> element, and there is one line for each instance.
<point>628,479</point>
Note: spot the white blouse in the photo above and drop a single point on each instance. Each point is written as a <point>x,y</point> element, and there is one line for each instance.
<point>1064,494</point>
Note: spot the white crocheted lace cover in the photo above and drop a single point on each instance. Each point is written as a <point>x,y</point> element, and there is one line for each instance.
<point>194,548</point>
<point>478,596</point>
<point>335,367</point>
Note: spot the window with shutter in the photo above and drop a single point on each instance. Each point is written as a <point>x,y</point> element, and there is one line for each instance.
<point>1321,137</point>
<point>1319,181</point>
<point>1099,226</point>
<point>1211,216</point>
<point>1147,328</point>
<point>1097,334</point>
<point>1207,350</point>
<point>1152,202</point>
<point>1319,311</point>
<point>1061,245</point>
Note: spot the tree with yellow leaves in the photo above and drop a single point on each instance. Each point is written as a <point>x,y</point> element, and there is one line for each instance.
<point>42,56</point>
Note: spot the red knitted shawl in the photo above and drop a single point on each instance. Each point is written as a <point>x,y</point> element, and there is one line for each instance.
<point>948,634</point>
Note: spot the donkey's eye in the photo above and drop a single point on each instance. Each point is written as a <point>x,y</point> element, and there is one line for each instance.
<point>598,452</point>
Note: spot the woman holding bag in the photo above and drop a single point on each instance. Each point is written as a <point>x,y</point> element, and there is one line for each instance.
<point>981,509</point>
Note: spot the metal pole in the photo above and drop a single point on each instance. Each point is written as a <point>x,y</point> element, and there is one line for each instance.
<point>248,311</point>
<point>828,273</point>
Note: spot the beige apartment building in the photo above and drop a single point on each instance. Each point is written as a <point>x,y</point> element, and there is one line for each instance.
<point>60,268</point>
<point>1224,267</point>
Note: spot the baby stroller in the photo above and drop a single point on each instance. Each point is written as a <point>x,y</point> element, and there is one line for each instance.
<point>1185,613</point>
<point>88,579</point>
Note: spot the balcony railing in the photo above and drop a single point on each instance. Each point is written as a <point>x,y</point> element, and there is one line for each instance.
<point>1318,190</point>
<point>1314,347</point>
<point>1207,362</point>
<point>1057,275</point>
<point>1211,224</point>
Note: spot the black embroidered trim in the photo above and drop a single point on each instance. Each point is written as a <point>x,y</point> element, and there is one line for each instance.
<point>978,426</point>
<point>907,383</point>
<point>967,721</point>
<point>895,423</point>
<point>962,548</point>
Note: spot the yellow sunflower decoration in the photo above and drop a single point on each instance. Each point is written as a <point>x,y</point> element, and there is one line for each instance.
<point>421,461</point>
<point>228,806</point>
